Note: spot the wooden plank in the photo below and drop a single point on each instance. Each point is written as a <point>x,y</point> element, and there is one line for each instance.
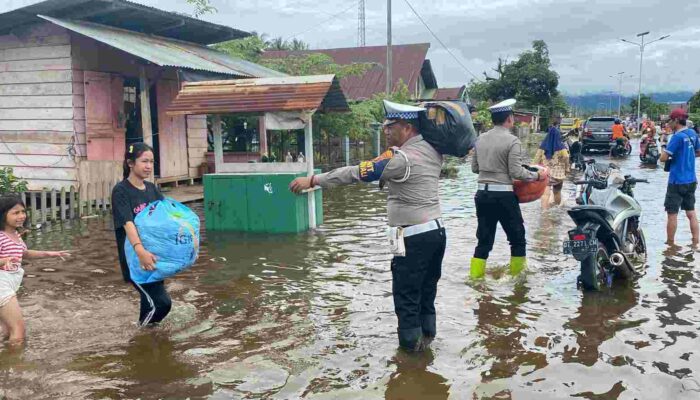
<point>89,198</point>
<point>196,152</point>
<point>78,75</point>
<point>48,64</point>
<point>194,172</point>
<point>196,133</point>
<point>35,53</point>
<point>62,205</point>
<point>79,113</point>
<point>65,125</point>
<point>56,173</point>
<point>198,143</point>
<point>41,184</point>
<point>37,89</point>
<point>78,88</point>
<point>44,137</point>
<point>72,202</point>
<point>58,101</point>
<point>79,126</point>
<point>34,149</point>
<point>35,113</point>
<point>53,206</point>
<point>34,217</point>
<point>13,42</point>
<point>38,161</point>
<point>7,78</point>
<point>196,122</point>
<point>39,29</point>
<point>43,207</point>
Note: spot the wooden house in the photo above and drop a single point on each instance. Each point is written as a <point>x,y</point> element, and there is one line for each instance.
<point>81,79</point>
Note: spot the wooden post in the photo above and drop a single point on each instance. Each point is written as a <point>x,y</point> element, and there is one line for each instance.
<point>53,206</point>
<point>262,133</point>
<point>146,125</point>
<point>309,150</point>
<point>89,200</point>
<point>71,203</point>
<point>218,143</point>
<point>32,202</point>
<point>63,204</point>
<point>43,207</point>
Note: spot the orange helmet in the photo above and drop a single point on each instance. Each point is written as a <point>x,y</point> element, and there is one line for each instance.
<point>529,191</point>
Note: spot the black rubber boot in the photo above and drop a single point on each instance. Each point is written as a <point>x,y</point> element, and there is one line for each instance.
<point>411,339</point>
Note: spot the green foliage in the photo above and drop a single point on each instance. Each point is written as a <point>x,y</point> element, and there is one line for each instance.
<point>694,103</point>
<point>9,183</point>
<point>529,79</point>
<point>249,48</point>
<point>649,107</point>
<point>202,7</point>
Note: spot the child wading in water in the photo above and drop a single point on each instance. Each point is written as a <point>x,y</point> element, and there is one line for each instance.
<point>129,197</point>
<point>12,251</point>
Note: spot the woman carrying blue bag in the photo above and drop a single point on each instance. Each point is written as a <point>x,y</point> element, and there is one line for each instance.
<point>129,197</point>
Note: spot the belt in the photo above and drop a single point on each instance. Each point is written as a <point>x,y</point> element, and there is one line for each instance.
<point>490,187</point>
<point>422,228</point>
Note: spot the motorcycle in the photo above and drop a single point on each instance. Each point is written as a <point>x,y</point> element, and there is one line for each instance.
<point>608,233</point>
<point>620,148</point>
<point>596,175</point>
<point>576,159</point>
<point>652,154</point>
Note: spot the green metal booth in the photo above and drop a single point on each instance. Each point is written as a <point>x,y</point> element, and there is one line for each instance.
<point>254,197</point>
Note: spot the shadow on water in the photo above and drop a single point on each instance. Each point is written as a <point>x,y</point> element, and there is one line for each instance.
<point>311,315</point>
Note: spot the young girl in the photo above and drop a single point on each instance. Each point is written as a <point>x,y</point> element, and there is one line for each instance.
<point>12,251</point>
<point>129,197</point>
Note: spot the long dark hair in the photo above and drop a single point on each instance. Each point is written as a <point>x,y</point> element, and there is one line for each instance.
<point>8,201</point>
<point>134,151</point>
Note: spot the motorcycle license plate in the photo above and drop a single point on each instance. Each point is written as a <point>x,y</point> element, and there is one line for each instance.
<point>580,247</point>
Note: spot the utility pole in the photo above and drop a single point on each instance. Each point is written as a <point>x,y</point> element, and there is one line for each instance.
<point>388,49</point>
<point>641,59</point>
<point>361,24</point>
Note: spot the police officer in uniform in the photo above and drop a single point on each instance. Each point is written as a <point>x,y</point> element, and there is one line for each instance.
<point>411,169</point>
<point>498,159</point>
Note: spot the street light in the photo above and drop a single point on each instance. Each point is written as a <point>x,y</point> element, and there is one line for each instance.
<point>619,75</point>
<point>641,46</point>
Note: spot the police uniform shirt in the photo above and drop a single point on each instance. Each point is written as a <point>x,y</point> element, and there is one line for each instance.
<point>412,202</point>
<point>498,158</point>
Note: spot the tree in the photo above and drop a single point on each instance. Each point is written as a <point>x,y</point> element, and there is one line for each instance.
<point>694,103</point>
<point>529,79</point>
<point>202,7</point>
<point>649,107</point>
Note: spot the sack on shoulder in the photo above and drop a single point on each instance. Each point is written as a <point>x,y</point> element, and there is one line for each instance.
<point>448,127</point>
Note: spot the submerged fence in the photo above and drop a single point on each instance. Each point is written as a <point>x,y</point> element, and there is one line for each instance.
<point>60,205</point>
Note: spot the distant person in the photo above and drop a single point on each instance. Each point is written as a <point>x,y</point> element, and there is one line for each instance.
<point>474,114</point>
<point>682,149</point>
<point>553,154</point>
<point>129,197</point>
<point>12,252</point>
<point>647,139</point>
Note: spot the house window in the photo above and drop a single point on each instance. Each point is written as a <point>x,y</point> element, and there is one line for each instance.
<point>130,94</point>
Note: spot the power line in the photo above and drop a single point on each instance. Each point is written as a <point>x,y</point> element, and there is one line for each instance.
<point>321,24</point>
<point>441,42</point>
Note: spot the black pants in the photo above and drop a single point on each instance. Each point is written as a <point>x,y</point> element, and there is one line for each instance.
<point>493,208</point>
<point>414,285</point>
<point>155,302</point>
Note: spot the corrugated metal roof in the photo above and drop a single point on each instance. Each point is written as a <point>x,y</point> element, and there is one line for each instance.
<point>408,62</point>
<point>167,52</point>
<point>294,93</point>
<point>126,15</point>
<point>444,94</point>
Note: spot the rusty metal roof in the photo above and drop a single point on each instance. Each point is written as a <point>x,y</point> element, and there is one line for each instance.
<point>123,14</point>
<point>167,52</point>
<point>293,93</point>
<point>456,93</point>
<point>408,62</point>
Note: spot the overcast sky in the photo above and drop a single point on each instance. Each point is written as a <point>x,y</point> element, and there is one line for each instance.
<point>583,35</point>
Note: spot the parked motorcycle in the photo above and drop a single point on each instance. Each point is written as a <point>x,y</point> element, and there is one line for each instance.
<point>596,177</point>
<point>620,148</point>
<point>652,154</point>
<point>608,234</point>
<point>576,157</point>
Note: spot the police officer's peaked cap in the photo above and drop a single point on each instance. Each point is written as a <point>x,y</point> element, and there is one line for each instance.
<point>401,111</point>
<point>504,106</point>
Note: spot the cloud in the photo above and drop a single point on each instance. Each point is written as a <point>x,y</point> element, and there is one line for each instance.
<point>582,35</point>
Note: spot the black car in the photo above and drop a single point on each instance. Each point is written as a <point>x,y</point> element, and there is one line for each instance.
<point>597,134</point>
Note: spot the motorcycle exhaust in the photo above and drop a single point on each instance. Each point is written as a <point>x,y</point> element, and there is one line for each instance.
<point>622,265</point>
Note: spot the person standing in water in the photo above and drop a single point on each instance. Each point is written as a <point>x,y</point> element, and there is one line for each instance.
<point>498,159</point>
<point>129,197</point>
<point>553,155</point>
<point>411,168</point>
<point>12,252</point>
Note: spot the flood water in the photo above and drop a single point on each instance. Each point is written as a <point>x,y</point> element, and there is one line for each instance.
<point>311,316</point>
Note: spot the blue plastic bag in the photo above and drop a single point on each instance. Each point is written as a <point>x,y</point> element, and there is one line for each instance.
<point>170,231</point>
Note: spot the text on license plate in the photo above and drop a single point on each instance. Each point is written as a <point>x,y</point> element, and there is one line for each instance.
<point>580,246</point>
